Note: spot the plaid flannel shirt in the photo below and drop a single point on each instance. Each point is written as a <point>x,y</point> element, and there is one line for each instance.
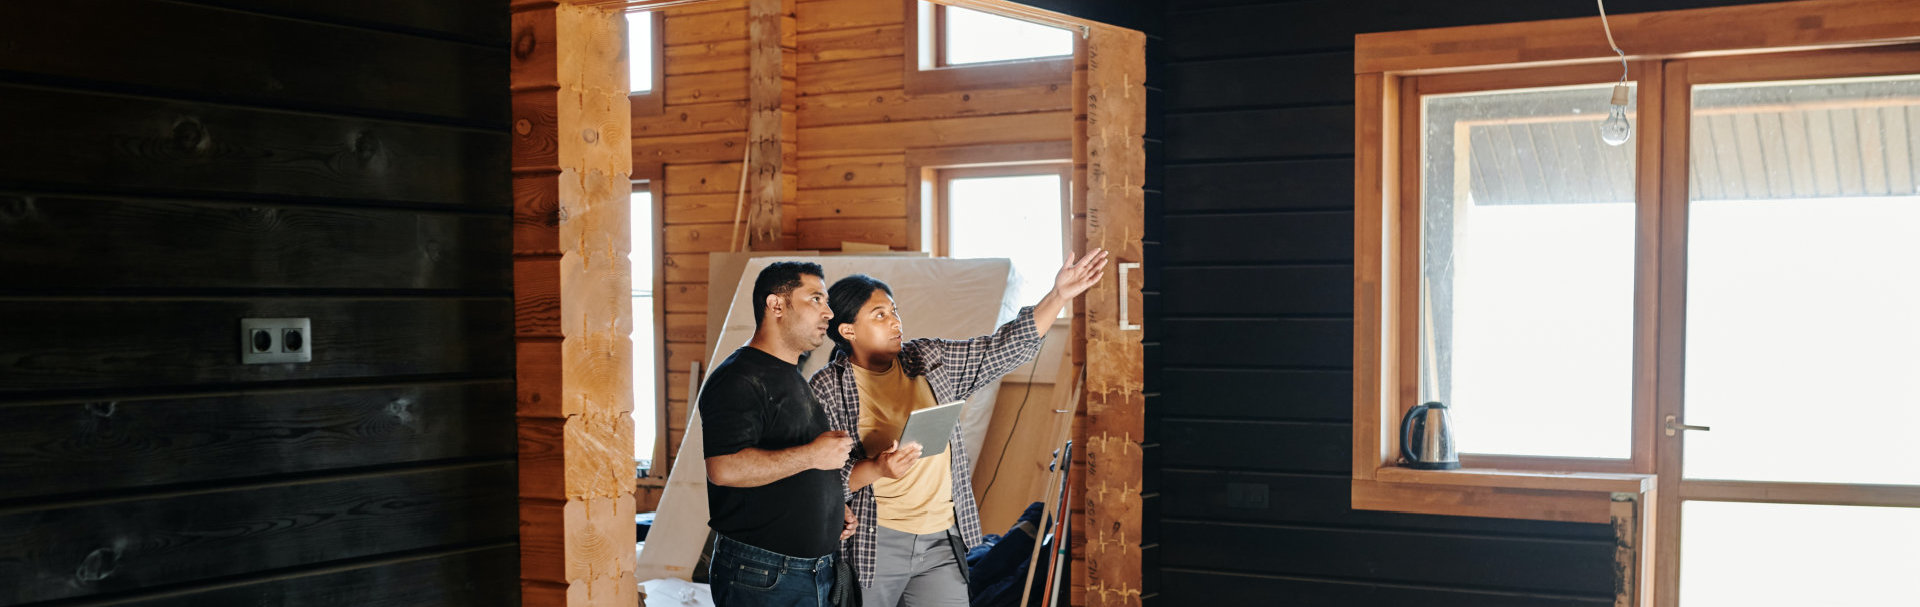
<point>954,370</point>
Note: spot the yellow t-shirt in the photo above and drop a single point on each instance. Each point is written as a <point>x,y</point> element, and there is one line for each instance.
<point>921,501</point>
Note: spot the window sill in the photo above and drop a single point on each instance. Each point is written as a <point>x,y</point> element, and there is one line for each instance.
<point>1585,497</point>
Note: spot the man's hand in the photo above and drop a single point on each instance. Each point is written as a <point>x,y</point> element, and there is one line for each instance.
<point>853,524</point>
<point>829,450</point>
<point>895,461</point>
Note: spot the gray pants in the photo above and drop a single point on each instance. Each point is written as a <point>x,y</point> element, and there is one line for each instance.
<point>915,571</point>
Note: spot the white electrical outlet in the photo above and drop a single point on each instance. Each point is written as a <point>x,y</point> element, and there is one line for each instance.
<point>276,340</point>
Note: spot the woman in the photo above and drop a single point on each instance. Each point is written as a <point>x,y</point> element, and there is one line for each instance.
<point>916,516</point>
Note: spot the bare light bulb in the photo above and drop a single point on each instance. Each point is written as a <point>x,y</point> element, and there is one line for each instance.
<point>1617,130</point>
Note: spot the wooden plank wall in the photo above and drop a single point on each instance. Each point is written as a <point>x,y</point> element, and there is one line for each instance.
<point>172,167</point>
<point>844,166</point>
<point>1250,322</point>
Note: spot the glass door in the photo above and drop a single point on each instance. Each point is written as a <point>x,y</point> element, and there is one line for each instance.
<point>1791,313</point>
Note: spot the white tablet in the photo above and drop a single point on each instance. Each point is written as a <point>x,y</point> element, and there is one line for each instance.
<point>931,427</point>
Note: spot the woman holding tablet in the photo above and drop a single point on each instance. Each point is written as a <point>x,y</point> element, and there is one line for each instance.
<point>917,516</point>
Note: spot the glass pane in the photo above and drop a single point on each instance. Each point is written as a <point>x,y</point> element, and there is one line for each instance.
<point>1802,289</point>
<point>977,37</point>
<point>641,256</point>
<point>640,51</point>
<point>1013,217</point>
<point>1527,272</point>
<point>1794,555</point>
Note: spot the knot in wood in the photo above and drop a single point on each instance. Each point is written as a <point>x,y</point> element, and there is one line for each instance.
<point>366,147</point>
<point>102,410</point>
<point>97,566</point>
<point>189,136</point>
<point>524,43</point>
<point>589,135</point>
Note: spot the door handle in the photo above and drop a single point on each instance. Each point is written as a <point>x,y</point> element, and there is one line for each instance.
<point>1673,426</point>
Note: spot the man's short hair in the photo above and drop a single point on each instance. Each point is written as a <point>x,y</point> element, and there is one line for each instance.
<point>780,278</point>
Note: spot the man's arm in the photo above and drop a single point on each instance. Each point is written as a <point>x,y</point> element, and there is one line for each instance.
<point>752,467</point>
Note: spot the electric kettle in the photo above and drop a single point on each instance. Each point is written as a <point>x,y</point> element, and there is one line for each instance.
<point>1426,439</point>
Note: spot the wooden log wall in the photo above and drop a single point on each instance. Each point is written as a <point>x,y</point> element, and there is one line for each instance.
<point>173,167</point>
<point>573,305</point>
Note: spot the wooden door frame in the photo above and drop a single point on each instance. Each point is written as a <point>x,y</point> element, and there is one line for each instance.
<point>572,170</point>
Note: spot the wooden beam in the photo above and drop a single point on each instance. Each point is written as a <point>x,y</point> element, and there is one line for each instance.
<point>573,157</point>
<point>770,51</point>
<point>1116,424</point>
<point>1732,30</point>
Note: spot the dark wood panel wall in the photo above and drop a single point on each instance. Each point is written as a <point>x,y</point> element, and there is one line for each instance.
<point>1249,303</point>
<point>169,168</point>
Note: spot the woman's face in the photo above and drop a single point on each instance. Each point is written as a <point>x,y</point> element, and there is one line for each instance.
<point>877,328</point>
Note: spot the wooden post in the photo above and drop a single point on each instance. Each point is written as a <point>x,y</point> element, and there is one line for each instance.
<point>572,285</point>
<point>772,99</point>
<point>1116,169</point>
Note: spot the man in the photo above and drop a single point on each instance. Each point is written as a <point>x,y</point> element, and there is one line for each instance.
<point>773,468</point>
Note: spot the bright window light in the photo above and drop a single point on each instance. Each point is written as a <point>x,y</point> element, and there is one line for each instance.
<point>1527,275</point>
<point>640,52</point>
<point>1807,555</point>
<point>1016,217</point>
<point>977,37</point>
<point>641,257</point>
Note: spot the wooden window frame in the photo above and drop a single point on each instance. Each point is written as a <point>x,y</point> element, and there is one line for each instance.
<point>1392,70</point>
<point>943,203</point>
<point>937,77</point>
<point>925,216</point>
<point>653,102</point>
<point>650,176</point>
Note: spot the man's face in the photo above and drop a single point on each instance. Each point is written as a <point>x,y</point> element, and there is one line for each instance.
<point>804,321</point>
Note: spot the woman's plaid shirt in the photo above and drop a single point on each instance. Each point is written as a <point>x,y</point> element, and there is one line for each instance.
<point>954,370</point>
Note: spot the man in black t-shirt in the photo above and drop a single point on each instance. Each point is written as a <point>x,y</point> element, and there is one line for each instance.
<point>774,492</point>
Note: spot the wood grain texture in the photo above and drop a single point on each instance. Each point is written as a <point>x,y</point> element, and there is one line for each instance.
<point>1115,123</point>
<point>178,148</point>
<point>127,544</point>
<point>341,69</point>
<point>481,578</point>
<point>191,342</point>
<point>115,445</point>
<point>186,244</point>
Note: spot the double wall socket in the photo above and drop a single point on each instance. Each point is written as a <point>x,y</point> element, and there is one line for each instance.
<point>276,340</point>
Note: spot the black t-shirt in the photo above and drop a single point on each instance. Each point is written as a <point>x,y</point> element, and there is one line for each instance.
<point>754,399</point>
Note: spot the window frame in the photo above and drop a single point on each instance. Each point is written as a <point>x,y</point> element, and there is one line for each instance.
<point>943,204</point>
<point>937,77</point>
<point>1850,37</point>
<point>653,101</point>
<point>1408,206</point>
<point>649,177</point>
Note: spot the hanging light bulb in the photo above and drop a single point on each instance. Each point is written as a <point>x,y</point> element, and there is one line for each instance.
<point>1617,130</point>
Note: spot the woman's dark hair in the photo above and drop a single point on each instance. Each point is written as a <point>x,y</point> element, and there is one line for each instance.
<point>845,298</point>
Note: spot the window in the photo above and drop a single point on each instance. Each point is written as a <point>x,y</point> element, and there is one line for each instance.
<point>1526,272</point>
<point>957,48</point>
<point>962,36</point>
<point>1016,212</point>
<point>1721,308</point>
<point>645,52</point>
<point>646,371</point>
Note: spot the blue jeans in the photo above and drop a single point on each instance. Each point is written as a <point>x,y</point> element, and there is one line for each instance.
<point>746,576</point>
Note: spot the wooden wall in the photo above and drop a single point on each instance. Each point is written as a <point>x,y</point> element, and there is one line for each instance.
<point>172,167</point>
<point>847,172</point>
<point>1250,321</point>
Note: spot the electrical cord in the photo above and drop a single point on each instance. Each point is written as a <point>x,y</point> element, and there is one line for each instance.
<point>1616,47</point>
<point>1016,426</point>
